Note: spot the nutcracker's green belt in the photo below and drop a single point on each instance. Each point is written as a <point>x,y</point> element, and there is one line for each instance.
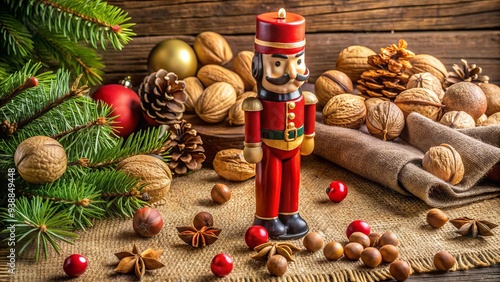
<point>280,134</point>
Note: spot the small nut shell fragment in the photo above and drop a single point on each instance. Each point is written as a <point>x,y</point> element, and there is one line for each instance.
<point>444,162</point>
<point>345,110</point>
<point>212,48</point>
<point>385,121</point>
<point>231,165</point>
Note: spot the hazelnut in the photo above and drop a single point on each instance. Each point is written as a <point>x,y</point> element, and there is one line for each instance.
<point>371,257</point>
<point>277,265</point>
<point>203,219</point>
<point>333,250</point>
<point>389,238</point>
<point>400,270</point>
<point>374,239</point>
<point>389,253</point>
<point>444,261</point>
<point>220,193</point>
<point>436,218</point>
<point>353,250</point>
<point>360,237</point>
<point>313,242</point>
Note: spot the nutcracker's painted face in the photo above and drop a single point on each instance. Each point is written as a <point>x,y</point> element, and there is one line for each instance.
<point>283,73</point>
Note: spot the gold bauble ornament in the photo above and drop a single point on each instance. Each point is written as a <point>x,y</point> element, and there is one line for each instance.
<point>173,55</point>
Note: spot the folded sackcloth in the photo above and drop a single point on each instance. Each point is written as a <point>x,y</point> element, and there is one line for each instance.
<point>397,164</point>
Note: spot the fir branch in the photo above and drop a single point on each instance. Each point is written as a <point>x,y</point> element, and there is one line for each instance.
<point>15,80</point>
<point>16,37</point>
<point>61,53</point>
<point>143,142</point>
<point>29,83</point>
<point>39,222</point>
<point>96,122</point>
<point>79,199</point>
<point>93,21</point>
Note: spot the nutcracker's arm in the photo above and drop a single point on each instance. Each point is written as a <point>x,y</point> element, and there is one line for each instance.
<point>307,146</point>
<point>253,144</point>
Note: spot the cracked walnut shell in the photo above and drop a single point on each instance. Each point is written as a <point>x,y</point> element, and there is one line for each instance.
<point>444,162</point>
<point>40,159</point>
<point>385,121</point>
<point>345,110</point>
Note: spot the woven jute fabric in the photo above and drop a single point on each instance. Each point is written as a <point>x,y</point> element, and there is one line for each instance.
<point>383,208</point>
<point>397,165</point>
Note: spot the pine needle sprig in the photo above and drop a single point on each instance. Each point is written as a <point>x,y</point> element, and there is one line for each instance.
<point>92,21</point>
<point>40,223</point>
<point>16,37</point>
<point>121,192</point>
<point>80,199</point>
<point>143,142</point>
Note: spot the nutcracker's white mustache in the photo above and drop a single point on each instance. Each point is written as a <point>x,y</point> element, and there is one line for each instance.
<point>284,79</point>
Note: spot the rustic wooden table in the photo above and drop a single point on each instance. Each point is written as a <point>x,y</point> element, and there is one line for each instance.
<point>491,273</point>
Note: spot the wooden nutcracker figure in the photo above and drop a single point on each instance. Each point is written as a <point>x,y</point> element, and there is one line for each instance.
<point>279,122</point>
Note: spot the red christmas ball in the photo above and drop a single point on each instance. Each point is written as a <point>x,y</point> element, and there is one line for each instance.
<point>126,106</point>
<point>222,265</point>
<point>337,191</point>
<point>75,265</point>
<point>358,226</point>
<point>255,236</point>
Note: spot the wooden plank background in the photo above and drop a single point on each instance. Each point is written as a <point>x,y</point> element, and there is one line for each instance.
<point>447,29</point>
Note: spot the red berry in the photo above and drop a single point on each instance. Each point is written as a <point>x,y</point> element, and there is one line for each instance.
<point>255,236</point>
<point>222,265</point>
<point>147,222</point>
<point>337,191</point>
<point>75,265</point>
<point>358,226</point>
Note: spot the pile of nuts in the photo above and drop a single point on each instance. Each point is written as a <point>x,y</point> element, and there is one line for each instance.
<point>463,99</point>
<point>216,91</point>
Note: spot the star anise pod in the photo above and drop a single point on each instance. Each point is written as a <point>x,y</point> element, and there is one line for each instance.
<point>138,262</point>
<point>468,226</point>
<point>269,249</point>
<point>199,238</point>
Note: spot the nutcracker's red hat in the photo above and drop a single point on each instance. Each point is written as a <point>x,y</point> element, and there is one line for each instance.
<point>280,33</point>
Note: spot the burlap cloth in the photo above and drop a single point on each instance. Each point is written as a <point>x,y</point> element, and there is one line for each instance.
<point>383,208</point>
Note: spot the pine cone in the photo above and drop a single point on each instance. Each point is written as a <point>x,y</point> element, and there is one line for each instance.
<point>187,150</point>
<point>466,72</point>
<point>389,79</point>
<point>163,97</point>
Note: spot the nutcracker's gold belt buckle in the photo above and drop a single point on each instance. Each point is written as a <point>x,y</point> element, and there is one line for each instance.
<point>288,131</point>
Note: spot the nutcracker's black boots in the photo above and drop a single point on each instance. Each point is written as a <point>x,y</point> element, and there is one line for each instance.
<point>274,227</point>
<point>296,226</point>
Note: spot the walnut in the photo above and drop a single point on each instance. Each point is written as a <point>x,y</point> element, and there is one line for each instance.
<point>215,102</point>
<point>385,121</point>
<point>242,65</point>
<point>153,173</point>
<point>193,90</point>
<point>370,102</point>
<point>40,159</point>
<point>345,110</point>
<point>331,83</point>
<point>492,93</point>
<point>428,63</point>
<point>458,119</point>
<point>444,162</point>
<point>494,119</point>
<point>211,74</point>
<point>212,48</point>
<point>231,165</point>
<point>353,61</point>
<point>481,119</point>
<point>428,81</point>
<point>420,100</point>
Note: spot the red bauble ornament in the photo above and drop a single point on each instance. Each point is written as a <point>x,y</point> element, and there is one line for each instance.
<point>358,226</point>
<point>75,265</point>
<point>147,222</point>
<point>337,191</point>
<point>255,236</point>
<point>222,265</point>
<point>126,106</point>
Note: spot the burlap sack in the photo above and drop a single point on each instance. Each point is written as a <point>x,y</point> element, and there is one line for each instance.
<point>397,165</point>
